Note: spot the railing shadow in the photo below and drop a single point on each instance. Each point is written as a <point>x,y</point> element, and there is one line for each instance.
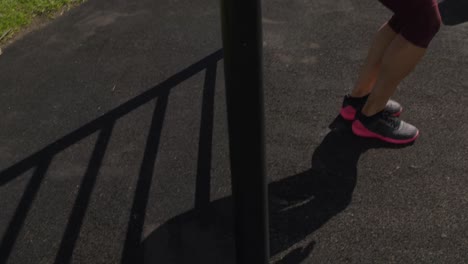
<point>103,125</point>
<point>299,205</point>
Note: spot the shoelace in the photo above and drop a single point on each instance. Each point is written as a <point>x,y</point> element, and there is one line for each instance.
<point>390,119</point>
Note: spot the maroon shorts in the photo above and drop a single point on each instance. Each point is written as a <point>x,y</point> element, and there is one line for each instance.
<point>418,21</point>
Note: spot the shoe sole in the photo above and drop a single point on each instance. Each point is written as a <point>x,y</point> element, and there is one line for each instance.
<point>359,130</point>
<point>349,113</point>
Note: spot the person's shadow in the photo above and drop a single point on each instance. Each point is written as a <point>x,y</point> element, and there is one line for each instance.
<point>299,205</point>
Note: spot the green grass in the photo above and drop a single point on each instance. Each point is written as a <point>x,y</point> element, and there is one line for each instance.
<point>16,14</point>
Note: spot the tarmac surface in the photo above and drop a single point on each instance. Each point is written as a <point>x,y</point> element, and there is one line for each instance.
<point>112,113</point>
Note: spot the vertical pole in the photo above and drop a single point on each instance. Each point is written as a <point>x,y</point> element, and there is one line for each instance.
<point>242,42</point>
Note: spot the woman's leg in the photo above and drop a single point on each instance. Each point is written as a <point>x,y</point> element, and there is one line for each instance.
<point>420,21</point>
<point>399,60</point>
<point>369,73</point>
<point>420,25</point>
<point>370,70</point>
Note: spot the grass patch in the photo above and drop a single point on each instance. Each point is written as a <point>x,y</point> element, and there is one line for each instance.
<point>17,14</point>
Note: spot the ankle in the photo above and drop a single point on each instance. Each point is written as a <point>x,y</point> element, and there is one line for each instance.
<point>359,94</point>
<point>356,102</point>
<point>369,112</point>
<point>360,97</point>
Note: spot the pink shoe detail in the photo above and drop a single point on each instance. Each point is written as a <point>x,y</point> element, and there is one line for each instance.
<point>360,130</point>
<point>398,113</point>
<point>348,113</point>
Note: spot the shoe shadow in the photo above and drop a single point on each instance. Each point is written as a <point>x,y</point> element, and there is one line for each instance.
<point>299,205</point>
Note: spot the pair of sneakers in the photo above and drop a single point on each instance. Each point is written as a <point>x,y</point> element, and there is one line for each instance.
<point>385,125</point>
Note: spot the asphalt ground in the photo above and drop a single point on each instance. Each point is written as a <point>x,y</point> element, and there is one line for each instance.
<point>114,111</point>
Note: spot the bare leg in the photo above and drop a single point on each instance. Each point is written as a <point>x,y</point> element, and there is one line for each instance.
<point>399,60</point>
<point>371,68</point>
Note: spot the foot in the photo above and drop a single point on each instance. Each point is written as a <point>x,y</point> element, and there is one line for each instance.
<point>352,105</point>
<point>385,127</point>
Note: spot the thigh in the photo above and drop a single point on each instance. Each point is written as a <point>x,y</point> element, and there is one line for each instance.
<point>416,20</point>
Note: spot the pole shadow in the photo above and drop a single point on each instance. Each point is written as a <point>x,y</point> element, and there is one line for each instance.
<point>299,205</point>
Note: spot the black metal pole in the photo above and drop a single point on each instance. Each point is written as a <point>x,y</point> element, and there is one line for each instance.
<point>242,42</point>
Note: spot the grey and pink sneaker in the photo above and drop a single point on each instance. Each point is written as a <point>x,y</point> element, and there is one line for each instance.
<point>352,105</point>
<point>385,127</point>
